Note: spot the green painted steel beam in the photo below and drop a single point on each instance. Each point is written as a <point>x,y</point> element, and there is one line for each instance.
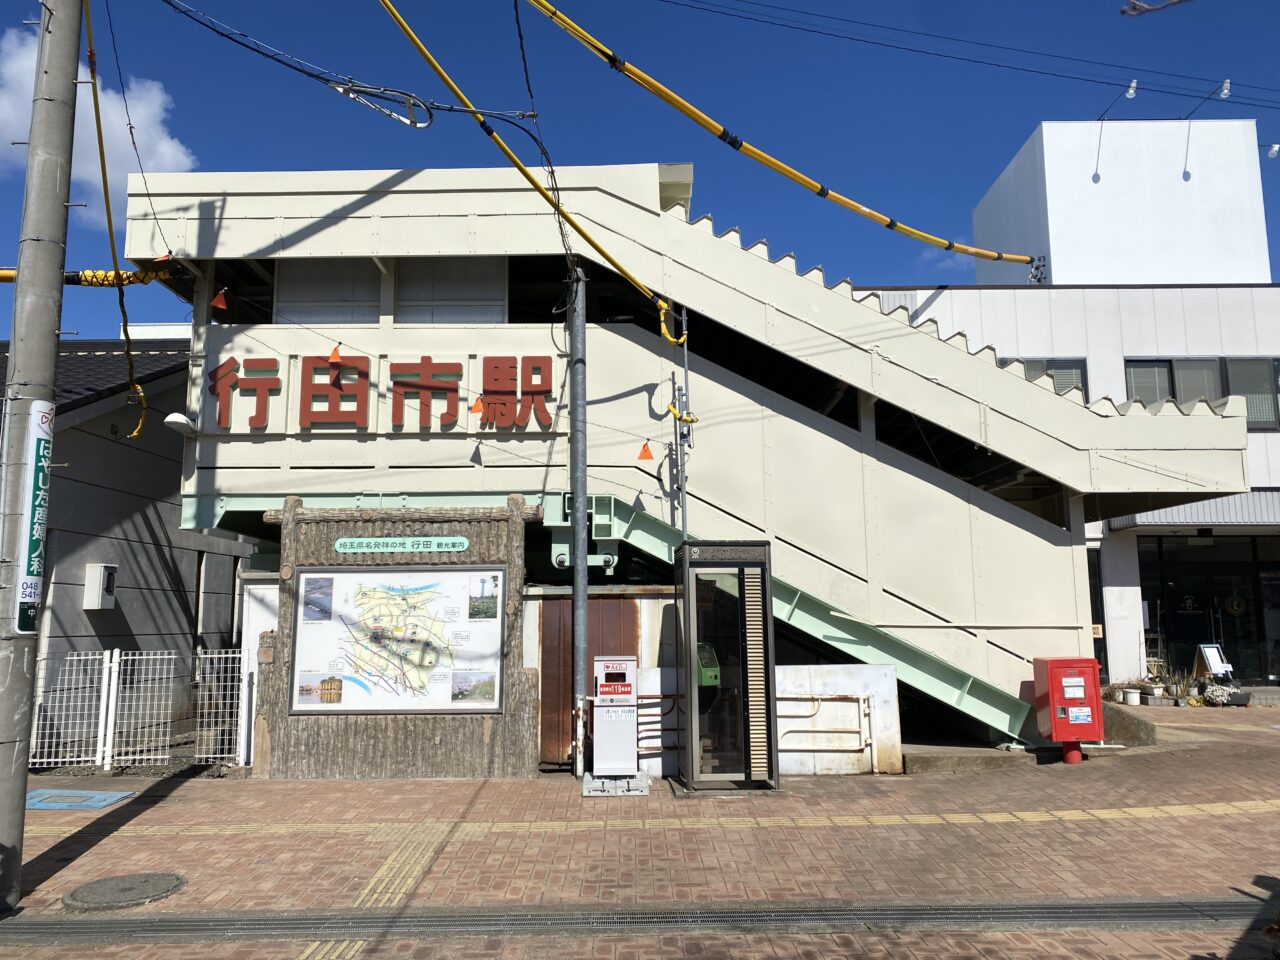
<point>917,668</point>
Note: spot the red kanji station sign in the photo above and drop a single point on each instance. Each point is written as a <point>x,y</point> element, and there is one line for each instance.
<point>339,391</point>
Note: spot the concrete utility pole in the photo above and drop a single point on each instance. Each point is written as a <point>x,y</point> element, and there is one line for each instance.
<point>28,412</point>
<point>578,492</point>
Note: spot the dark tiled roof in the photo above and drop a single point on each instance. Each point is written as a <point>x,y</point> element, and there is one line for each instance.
<point>89,370</point>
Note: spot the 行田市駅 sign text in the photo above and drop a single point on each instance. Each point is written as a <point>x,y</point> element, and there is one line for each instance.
<point>422,394</point>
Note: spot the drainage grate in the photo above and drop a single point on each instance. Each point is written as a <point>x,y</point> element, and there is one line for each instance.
<point>1237,913</point>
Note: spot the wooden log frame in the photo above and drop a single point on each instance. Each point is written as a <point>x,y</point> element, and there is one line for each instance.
<point>394,746</point>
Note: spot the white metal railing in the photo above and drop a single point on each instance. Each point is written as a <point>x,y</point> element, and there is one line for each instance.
<point>218,702</point>
<point>139,708</point>
<point>141,705</point>
<point>70,711</point>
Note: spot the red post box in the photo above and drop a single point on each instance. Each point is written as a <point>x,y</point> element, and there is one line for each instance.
<point>1068,702</point>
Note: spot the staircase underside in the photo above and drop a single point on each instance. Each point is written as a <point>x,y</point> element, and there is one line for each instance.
<point>616,520</point>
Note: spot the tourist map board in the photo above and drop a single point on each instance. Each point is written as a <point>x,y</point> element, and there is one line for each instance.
<point>398,640</point>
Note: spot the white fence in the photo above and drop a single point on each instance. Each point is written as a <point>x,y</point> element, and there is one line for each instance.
<point>139,708</point>
<point>71,704</point>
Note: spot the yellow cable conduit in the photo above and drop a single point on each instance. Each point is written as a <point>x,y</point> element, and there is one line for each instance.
<point>737,143</point>
<point>116,277</point>
<point>656,300</point>
<point>97,278</point>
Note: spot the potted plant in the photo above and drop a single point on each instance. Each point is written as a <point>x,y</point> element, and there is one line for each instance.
<point>1216,695</point>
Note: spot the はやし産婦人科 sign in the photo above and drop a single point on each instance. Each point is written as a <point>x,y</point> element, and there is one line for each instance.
<point>36,480</point>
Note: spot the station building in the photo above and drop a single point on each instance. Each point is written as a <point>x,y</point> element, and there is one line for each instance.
<point>378,383</point>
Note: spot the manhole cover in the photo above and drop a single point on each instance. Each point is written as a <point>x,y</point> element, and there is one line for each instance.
<point>112,893</point>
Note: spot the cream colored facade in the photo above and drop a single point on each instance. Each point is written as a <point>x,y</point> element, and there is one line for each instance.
<point>873,549</point>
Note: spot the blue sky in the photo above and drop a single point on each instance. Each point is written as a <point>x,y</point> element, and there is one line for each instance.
<point>917,137</point>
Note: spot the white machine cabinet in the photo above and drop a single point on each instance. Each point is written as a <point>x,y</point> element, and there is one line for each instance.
<point>613,718</point>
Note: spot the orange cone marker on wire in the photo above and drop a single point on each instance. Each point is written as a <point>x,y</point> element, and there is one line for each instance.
<point>478,406</point>
<point>645,452</point>
<point>335,355</point>
<point>219,301</point>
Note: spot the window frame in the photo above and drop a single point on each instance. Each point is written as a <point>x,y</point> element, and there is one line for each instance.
<point>1083,363</point>
<point>1224,379</point>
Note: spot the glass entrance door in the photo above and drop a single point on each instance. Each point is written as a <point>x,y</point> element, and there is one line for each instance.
<point>1219,606</point>
<point>721,746</point>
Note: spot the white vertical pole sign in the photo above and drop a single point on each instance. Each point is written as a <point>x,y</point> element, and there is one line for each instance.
<point>35,517</point>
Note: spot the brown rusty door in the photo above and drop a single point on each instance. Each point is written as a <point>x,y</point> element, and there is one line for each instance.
<point>613,630</point>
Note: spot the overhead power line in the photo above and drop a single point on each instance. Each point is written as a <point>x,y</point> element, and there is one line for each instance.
<point>116,274</point>
<point>717,10</point>
<point>417,110</point>
<point>553,183</point>
<point>658,301</point>
<point>721,132</point>
<point>1128,69</point>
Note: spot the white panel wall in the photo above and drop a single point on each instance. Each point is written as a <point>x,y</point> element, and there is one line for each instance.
<point>1125,202</point>
<point>1013,216</point>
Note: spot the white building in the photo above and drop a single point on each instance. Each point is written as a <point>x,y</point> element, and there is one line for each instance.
<point>1124,202</point>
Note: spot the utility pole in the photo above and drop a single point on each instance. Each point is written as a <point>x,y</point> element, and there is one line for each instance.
<point>28,412</point>
<point>578,494</point>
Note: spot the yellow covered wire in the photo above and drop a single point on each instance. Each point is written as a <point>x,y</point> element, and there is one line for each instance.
<point>568,218</point>
<point>97,278</point>
<point>720,131</point>
<point>117,276</point>
<point>682,417</point>
<point>112,278</point>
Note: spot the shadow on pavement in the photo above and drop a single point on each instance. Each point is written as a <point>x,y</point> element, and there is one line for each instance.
<point>69,849</point>
<point>1262,940</point>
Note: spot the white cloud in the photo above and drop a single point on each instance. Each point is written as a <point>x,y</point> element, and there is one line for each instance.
<point>148,103</point>
<point>940,261</point>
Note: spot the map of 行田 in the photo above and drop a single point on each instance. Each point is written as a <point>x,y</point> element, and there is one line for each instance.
<point>397,640</point>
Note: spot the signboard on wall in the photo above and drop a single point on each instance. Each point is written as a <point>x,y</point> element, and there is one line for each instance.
<point>380,394</point>
<point>398,640</point>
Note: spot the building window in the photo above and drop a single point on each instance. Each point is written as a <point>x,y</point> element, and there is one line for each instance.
<point>451,290</point>
<point>1066,372</point>
<point>1256,379</point>
<point>1148,380</point>
<point>1155,381</point>
<point>327,290</point>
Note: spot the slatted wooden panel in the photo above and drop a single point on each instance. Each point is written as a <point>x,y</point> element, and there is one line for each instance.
<point>757,676</point>
<point>613,630</point>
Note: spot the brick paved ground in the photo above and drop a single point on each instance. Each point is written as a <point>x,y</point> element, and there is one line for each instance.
<point>1197,816</point>
<point>924,946</point>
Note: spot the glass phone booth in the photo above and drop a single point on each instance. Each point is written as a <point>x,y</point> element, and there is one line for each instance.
<point>725,702</point>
